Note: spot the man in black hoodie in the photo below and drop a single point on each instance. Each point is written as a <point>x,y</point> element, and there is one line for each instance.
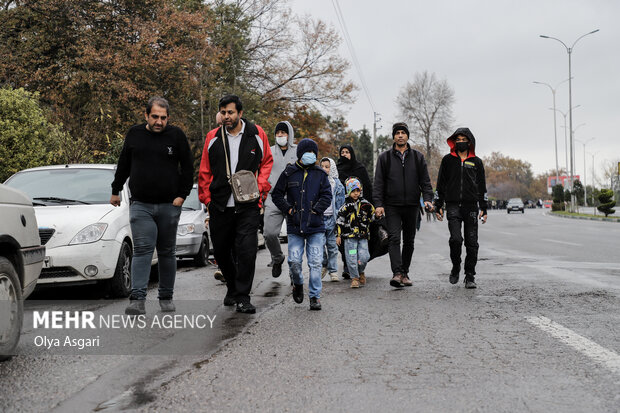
<point>461,185</point>
<point>401,176</point>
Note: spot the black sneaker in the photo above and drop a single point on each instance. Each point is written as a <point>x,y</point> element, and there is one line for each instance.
<point>167,306</point>
<point>246,308</point>
<point>470,282</point>
<point>346,275</point>
<point>135,307</point>
<point>229,301</point>
<point>454,274</point>
<point>298,293</point>
<point>315,304</point>
<point>276,269</point>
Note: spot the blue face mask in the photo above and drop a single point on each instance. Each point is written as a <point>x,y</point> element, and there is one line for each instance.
<point>308,158</point>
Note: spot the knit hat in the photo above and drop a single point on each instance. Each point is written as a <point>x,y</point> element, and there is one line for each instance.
<point>307,145</point>
<point>281,126</point>
<point>351,184</point>
<point>400,126</point>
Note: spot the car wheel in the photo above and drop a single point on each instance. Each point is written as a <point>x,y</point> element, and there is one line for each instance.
<point>120,283</point>
<point>202,258</point>
<point>11,309</point>
<point>523,211</point>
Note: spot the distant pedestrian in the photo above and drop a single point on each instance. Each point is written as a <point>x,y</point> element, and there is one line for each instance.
<point>303,192</point>
<point>284,153</point>
<point>330,253</point>
<point>401,175</point>
<point>349,166</point>
<point>158,162</point>
<point>461,185</point>
<point>238,145</point>
<point>353,221</point>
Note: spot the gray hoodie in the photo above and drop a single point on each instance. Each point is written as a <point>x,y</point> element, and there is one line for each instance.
<point>279,160</point>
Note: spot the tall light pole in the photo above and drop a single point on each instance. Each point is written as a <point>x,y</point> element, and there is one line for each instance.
<point>564,114</point>
<point>376,119</point>
<point>592,187</point>
<point>584,143</point>
<point>569,50</point>
<point>555,128</point>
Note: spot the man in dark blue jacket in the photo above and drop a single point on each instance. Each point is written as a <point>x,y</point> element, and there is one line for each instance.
<point>401,176</point>
<point>303,193</point>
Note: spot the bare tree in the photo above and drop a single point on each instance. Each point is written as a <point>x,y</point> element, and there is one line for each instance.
<point>426,105</point>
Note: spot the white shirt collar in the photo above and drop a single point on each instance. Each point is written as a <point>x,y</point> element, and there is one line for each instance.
<point>240,132</point>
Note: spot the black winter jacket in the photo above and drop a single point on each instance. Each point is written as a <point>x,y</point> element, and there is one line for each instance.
<point>352,167</point>
<point>399,182</point>
<point>461,181</point>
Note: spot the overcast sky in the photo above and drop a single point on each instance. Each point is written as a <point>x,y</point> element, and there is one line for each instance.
<point>490,52</point>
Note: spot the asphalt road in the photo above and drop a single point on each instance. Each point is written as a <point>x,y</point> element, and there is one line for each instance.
<point>541,333</point>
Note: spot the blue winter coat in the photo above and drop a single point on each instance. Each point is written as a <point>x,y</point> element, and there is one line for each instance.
<point>308,193</point>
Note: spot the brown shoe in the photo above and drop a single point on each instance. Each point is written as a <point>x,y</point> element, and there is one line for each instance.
<point>397,281</point>
<point>362,279</point>
<point>406,281</point>
<point>355,283</point>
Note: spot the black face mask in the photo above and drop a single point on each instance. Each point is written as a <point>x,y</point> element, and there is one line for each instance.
<point>461,146</point>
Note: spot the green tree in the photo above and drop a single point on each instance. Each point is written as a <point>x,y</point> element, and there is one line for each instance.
<point>579,192</point>
<point>606,198</point>
<point>558,198</point>
<point>26,138</point>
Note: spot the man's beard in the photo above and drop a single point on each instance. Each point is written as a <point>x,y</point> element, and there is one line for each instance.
<point>233,125</point>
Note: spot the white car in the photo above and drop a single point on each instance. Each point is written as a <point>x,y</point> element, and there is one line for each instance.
<point>87,239</point>
<point>192,236</point>
<point>21,258</point>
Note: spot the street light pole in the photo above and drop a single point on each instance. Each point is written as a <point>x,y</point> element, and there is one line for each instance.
<point>565,114</point>
<point>555,128</point>
<point>584,143</point>
<point>569,50</point>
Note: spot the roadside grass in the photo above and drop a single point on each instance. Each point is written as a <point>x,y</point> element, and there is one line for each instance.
<point>575,214</point>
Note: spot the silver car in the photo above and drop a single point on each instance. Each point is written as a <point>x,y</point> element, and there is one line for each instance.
<point>192,237</point>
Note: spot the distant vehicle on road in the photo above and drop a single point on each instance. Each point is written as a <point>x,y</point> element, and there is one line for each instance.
<point>515,204</point>
<point>87,239</point>
<point>547,204</point>
<point>21,259</point>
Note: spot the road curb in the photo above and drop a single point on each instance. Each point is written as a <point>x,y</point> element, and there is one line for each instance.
<point>583,218</point>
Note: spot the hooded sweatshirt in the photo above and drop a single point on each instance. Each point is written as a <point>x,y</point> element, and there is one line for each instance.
<point>280,160</point>
<point>337,188</point>
<point>461,181</point>
<point>352,167</point>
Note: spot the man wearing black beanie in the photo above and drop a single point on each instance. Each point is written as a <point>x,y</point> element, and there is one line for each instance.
<point>401,176</point>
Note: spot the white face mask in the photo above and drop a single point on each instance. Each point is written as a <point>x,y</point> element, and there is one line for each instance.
<point>282,140</point>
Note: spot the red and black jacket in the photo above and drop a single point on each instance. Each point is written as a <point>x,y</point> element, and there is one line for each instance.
<point>461,181</point>
<point>254,156</point>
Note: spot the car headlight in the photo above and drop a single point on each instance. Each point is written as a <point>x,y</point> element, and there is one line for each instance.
<point>89,234</point>
<point>185,229</point>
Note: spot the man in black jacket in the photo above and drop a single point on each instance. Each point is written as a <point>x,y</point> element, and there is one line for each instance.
<point>157,158</point>
<point>401,176</point>
<point>461,184</point>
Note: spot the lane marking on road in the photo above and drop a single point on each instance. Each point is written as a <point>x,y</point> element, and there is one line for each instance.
<point>562,242</point>
<point>599,354</point>
<point>506,233</point>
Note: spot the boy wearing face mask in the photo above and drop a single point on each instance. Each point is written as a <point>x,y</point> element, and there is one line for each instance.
<point>303,193</point>
<point>284,152</point>
<point>461,185</point>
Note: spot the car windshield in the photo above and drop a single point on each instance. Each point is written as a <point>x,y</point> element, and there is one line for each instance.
<point>65,186</point>
<point>192,202</point>
<point>515,201</point>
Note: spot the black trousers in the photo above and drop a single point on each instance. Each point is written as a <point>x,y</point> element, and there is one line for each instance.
<point>468,216</point>
<point>235,241</point>
<point>401,219</point>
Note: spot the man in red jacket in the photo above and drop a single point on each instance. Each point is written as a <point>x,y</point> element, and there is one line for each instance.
<point>234,226</point>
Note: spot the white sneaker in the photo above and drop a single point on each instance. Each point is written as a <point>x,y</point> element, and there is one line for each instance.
<point>323,272</point>
<point>334,276</point>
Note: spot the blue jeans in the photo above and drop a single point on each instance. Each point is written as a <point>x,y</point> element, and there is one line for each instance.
<point>314,244</point>
<point>153,225</point>
<point>357,255</point>
<point>330,252</point>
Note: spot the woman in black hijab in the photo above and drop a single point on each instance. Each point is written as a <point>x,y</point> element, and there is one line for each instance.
<point>349,166</point>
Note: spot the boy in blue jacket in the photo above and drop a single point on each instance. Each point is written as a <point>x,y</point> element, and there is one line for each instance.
<point>303,193</point>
